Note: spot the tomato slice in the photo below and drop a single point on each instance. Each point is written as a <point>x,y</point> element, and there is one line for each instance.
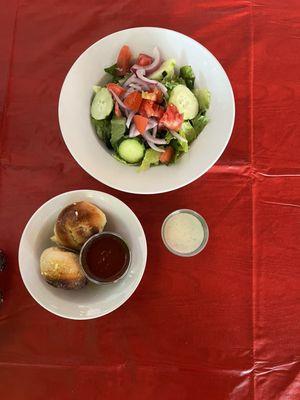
<point>149,109</point>
<point>140,123</point>
<point>117,110</point>
<point>166,157</point>
<point>154,95</point>
<point>144,59</point>
<point>123,61</point>
<point>133,101</point>
<point>117,89</point>
<point>172,119</point>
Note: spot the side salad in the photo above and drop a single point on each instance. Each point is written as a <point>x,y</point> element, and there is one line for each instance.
<point>149,113</point>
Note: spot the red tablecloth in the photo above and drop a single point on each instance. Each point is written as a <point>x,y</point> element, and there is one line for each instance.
<point>222,325</point>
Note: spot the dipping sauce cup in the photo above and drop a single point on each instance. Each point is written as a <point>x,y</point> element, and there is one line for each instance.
<point>105,258</point>
<point>185,233</point>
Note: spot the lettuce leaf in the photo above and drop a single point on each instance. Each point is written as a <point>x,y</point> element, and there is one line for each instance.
<point>178,146</point>
<point>103,130</point>
<point>169,137</point>
<point>151,157</point>
<point>188,131</point>
<point>171,83</point>
<point>199,123</point>
<point>118,129</point>
<point>187,73</point>
<point>203,97</point>
<point>113,71</point>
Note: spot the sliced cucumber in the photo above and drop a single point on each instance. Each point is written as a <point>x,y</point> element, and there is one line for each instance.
<point>131,150</point>
<point>166,70</point>
<point>185,101</point>
<point>102,104</point>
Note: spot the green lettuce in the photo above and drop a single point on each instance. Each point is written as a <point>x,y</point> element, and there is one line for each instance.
<point>179,147</point>
<point>116,78</point>
<point>171,83</point>
<point>103,130</point>
<point>188,131</point>
<point>118,129</point>
<point>187,73</point>
<point>203,97</point>
<point>199,123</point>
<point>169,137</point>
<point>151,157</point>
<point>184,144</point>
<point>112,70</point>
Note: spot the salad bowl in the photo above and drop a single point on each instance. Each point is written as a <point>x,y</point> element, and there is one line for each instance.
<point>92,154</point>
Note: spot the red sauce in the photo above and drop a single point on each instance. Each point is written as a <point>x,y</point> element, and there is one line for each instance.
<point>105,258</point>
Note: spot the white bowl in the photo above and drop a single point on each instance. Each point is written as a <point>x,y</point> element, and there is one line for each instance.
<point>92,155</point>
<point>93,300</point>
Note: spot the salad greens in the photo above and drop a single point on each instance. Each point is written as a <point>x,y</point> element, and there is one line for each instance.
<point>199,123</point>
<point>171,83</point>
<point>150,112</point>
<point>188,75</point>
<point>118,129</point>
<point>151,157</point>
<point>103,130</point>
<point>188,131</point>
<point>203,97</point>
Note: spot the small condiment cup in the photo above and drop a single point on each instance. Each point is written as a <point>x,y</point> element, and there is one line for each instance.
<point>84,267</point>
<point>205,232</point>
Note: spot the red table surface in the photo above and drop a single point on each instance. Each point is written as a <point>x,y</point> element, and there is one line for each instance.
<point>222,325</point>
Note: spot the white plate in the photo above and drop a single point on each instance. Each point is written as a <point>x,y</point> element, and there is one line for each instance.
<point>92,155</point>
<point>92,301</point>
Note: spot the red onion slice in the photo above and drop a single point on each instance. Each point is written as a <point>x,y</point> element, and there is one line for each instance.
<point>118,100</point>
<point>178,137</point>
<point>134,80</point>
<point>163,89</point>
<point>130,90</point>
<point>151,67</point>
<point>141,72</point>
<point>151,123</point>
<point>154,147</point>
<point>141,83</point>
<point>129,119</point>
<point>151,139</point>
<point>129,80</point>
<point>133,132</point>
<point>136,86</point>
<point>154,131</point>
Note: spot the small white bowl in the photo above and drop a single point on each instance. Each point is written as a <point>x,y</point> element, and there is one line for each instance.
<point>92,301</point>
<point>92,155</point>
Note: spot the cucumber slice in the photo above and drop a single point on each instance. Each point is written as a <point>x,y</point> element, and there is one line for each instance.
<point>166,70</point>
<point>131,150</point>
<point>102,104</point>
<point>185,101</point>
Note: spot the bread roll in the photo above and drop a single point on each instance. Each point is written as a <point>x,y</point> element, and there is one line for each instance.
<point>61,268</point>
<point>76,223</point>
